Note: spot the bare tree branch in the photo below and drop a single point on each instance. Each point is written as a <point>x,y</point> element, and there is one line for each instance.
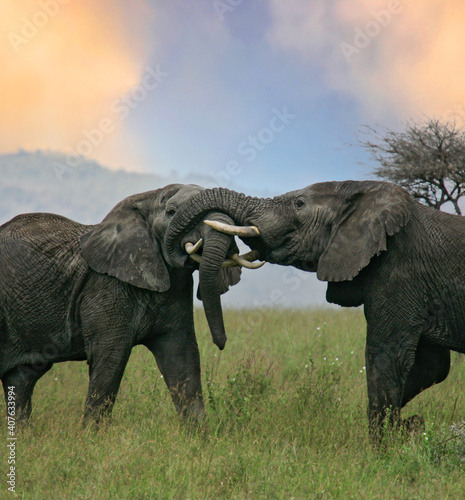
<point>428,159</point>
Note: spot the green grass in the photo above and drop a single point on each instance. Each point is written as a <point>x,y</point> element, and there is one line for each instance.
<point>286,405</point>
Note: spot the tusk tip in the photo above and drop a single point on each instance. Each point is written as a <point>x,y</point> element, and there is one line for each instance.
<point>243,262</point>
<point>191,248</point>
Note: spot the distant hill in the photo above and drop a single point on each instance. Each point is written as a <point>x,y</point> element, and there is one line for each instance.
<point>42,182</point>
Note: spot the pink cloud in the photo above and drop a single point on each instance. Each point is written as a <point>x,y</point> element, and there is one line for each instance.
<point>399,57</point>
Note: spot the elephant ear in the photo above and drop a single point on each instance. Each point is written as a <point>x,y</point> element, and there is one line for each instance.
<point>229,277</point>
<point>121,246</point>
<point>371,211</point>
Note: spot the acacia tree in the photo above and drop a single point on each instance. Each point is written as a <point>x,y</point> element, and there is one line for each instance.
<point>427,159</point>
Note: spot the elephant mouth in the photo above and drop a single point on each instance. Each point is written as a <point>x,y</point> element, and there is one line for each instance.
<point>262,251</point>
<point>192,245</point>
<point>194,253</point>
<point>233,259</point>
<point>283,257</point>
<point>280,256</point>
<point>310,266</point>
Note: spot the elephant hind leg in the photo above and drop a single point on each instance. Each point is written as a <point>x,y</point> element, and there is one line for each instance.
<point>23,379</point>
<point>431,366</point>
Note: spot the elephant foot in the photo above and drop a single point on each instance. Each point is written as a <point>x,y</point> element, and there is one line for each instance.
<point>194,422</point>
<point>381,435</point>
<point>195,428</point>
<point>96,418</point>
<point>414,425</point>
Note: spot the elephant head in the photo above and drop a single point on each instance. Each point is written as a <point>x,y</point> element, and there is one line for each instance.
<point>331,228</point>
<point>129,245</point>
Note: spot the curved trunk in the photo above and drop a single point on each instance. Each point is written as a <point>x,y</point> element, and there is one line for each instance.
<point>214,252</point>
<point>216,245</point>
<point>237,205</point>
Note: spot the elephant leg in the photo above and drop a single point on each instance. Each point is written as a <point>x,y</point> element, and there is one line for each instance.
<point>431,366</point>
<point>388,365</point>
<point>106,368</point>
<point>23,379</point>
<point>177,357</point>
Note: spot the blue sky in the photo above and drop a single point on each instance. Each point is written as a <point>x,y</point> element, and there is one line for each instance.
<point>198,87</point>
<point>222,91</point>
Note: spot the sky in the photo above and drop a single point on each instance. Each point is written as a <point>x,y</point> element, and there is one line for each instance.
<point>266,95</point>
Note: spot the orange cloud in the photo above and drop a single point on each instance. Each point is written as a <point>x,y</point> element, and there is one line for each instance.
<point>390,55</point>
<point>64,64</point>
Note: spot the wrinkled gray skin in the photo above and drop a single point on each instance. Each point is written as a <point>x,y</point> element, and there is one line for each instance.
<point>74,292</point>
<point>374,245</point>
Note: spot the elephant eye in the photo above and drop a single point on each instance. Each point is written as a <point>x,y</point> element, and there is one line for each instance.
<point>299,203</point>
<point>171,211</point>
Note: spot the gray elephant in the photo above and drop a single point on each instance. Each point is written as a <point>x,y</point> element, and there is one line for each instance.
<point>75,292</point>
<point>374,245</point>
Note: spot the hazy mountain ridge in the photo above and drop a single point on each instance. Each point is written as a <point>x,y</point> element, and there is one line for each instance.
<point>33,182</point>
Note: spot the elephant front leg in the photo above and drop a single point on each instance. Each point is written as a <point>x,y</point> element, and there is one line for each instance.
<point>106,368</point>
<point>388,365</point>
<point>177,357</point>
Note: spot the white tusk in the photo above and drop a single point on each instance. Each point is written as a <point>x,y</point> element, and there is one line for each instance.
<point>243,260</point>
<point>235,260</point>
<point>226,263</point>
<point>245,263</point>
<point>244,231</point>
<point>190,248</point>
<point>250,256</point>
<point>229,263</point>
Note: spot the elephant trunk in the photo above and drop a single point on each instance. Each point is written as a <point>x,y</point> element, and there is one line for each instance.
<point>214,252</point>
<point>237,205</point>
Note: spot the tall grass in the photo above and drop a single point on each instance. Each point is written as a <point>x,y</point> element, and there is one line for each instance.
<point>286,406</point>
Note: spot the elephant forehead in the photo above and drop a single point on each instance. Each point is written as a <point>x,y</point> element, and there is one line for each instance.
<point>324,194</point>
<point>186,192</point>
<point>321,188</point>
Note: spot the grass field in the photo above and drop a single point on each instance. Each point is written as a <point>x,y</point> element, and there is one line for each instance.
<point>286,405</point>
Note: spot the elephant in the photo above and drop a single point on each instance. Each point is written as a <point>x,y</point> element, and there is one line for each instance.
<point>376,246</point>
<point>70,291</point>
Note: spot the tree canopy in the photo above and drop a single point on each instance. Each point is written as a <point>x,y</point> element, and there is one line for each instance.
<point>428,159</point>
